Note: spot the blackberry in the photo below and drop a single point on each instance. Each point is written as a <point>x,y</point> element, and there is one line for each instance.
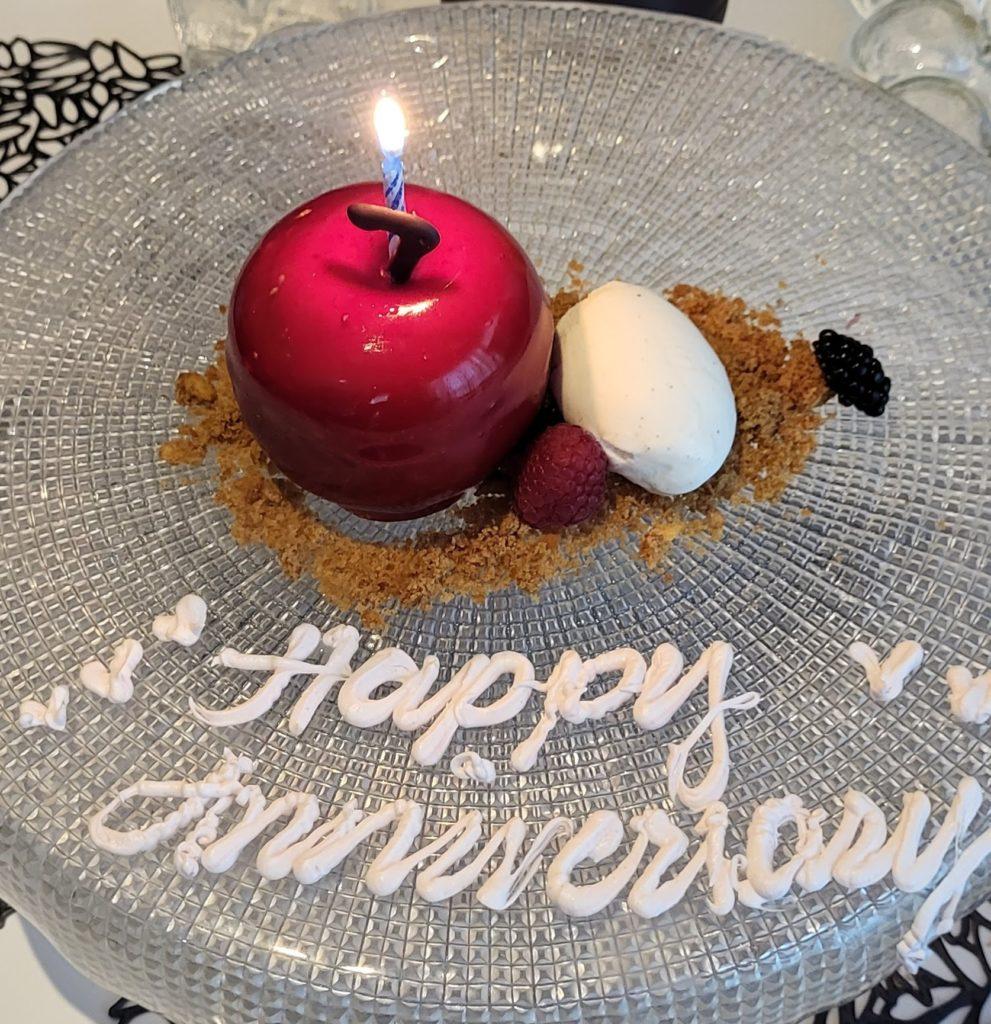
<point>853,371</point>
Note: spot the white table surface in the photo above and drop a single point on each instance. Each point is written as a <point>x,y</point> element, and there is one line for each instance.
<point>36,983</point>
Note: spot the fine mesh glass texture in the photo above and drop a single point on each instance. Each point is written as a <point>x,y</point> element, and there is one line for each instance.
<point>649,148</point>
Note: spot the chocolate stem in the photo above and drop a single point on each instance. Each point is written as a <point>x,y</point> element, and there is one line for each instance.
<point>416,236</point>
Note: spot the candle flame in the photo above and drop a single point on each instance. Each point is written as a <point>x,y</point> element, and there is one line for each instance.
<point>390,125</point>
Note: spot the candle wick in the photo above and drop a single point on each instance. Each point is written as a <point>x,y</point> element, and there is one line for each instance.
<point>412,237</point>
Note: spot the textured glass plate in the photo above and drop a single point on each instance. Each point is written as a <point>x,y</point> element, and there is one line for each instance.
<point>649,148</point>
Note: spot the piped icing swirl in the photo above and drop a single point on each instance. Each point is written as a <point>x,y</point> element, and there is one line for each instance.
<point>469,766</point>
<point>970,696</point>
<point>185,625</point>
<point>113,682</point>
<point>32,713</point>
<point>886,679</point>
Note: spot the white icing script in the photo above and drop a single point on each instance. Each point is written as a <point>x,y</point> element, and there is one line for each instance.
<point>309,851</point>
<point>32,713</point>
<point>471,767</point>
<point>970,697</point>
<point>203,800</point>
<point>657,693</point>
<point>860,852</point>
<point>660,700</point>
<point>935,916</point>
<point>887,678</point>
<point>113,683</point>
<point>185,625</point>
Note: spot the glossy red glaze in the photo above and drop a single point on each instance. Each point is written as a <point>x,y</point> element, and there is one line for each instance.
<point>390,400</point>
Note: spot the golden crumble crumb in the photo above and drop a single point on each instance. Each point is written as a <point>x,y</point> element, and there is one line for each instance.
<point>777,384</point>
<point>563,301</point>
<point>182,451</point>
<point>194,389</point>
<point>572,294</point>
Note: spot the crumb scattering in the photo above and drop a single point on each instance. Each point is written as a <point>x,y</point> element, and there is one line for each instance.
<point>571,294</point>
<point>778,388</point>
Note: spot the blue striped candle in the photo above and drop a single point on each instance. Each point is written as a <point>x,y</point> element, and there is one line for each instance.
<point>394,181</point>
<point>390,126</point>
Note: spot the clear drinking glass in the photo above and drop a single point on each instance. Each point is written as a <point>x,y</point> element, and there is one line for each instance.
<point>952,104</point>
<point>907,38</point>
<point>979,10</point>
<point>210,30</point>
<point>865,8</point>
<point>934,55</point>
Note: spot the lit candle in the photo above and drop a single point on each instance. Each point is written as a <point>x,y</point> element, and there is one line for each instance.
<point>390,126</point>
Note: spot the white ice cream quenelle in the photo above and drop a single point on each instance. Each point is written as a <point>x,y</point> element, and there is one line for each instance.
<point>634,371</point>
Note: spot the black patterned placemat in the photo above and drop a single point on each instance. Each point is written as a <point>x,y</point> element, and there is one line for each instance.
<point>50,92</point>
<point>953,987</point>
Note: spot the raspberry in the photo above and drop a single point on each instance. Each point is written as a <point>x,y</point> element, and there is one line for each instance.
<point>563,479</point>
<point>853,371</point>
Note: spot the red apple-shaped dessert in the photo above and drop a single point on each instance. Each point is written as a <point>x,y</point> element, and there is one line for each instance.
<point>388,398</point>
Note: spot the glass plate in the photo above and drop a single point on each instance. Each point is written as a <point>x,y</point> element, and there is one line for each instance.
<point>649,148</point>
